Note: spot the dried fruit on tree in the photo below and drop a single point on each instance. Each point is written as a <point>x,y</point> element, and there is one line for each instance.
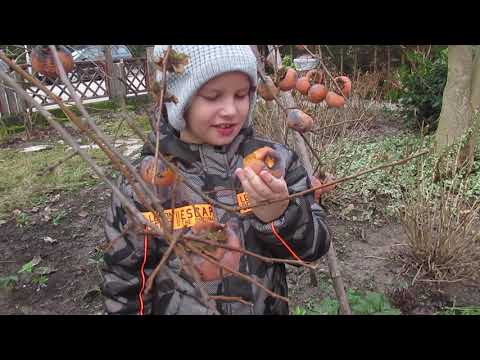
<point>222,234</point>
<point>43,61</point>
<point>176,61</point>
<point>299,120</point>
<point>267,89</point>
<point>345,84</point>
<point>315,76</point>
<point>265,158</point>
<point>334,100</point>
<point>317,93</point>
<point>303,85</point>
<point>286,78</point>
<point>162,176</point>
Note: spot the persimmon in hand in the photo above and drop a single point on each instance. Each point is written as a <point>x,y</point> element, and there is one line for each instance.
<point>265,158</point>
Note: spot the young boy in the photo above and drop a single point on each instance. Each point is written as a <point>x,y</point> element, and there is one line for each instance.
<point>208,133</point>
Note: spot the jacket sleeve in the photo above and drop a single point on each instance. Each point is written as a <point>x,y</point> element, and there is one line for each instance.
<point>124,260</point>
<point>302,226</point>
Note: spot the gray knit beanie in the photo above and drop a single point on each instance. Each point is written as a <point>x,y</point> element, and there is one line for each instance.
<point>204,63</point>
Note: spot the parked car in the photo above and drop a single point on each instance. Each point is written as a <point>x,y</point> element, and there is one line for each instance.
<point>96,52</point>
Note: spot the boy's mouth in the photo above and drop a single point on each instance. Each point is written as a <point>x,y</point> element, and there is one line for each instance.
<point>225,129</point>
<point>224,126</point>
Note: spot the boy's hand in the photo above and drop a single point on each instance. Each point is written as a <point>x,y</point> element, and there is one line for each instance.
<point>264,187</point>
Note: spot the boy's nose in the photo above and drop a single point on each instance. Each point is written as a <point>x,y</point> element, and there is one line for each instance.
<point>228,108</point>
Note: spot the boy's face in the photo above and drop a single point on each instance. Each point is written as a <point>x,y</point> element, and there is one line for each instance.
<point>218,111</point>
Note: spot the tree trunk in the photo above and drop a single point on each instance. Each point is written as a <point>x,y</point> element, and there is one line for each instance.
<point>114,85</point>
<point>475,96</point>
<point>108,67</point>
<point>457,113</point>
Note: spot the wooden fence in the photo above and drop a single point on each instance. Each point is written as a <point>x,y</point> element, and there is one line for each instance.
<point>90,80</point>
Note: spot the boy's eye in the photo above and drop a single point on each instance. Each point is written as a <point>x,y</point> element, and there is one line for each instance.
<point>242,95</point>
<point>210,97</point>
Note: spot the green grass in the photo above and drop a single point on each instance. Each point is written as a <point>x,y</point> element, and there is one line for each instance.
<point>361,303</point>
<point>467,310</point>
<point>21,188</point>
<point>119,127</point>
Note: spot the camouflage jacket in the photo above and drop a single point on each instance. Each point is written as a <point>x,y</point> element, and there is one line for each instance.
<point>133,256</point>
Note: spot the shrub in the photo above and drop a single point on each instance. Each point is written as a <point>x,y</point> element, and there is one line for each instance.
<point>441,221</point>
<point>420,88</point>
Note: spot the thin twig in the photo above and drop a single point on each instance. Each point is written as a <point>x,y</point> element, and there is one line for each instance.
<point>317,130</point>
<point>374,257</point>
<point>314,153</point>
<point>160,107</point>
<point>244,251</point>
<point>114,240</point>
<point>165,257</point>
<point>58,163</point>
<point>234,272</point>
<point>230,299</point>
<point>196,276</point>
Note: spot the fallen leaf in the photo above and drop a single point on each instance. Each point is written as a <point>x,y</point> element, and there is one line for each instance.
<point>83,214</point>
<point>3,222</point>
<point>36,260</point>
<point>36,148</point>
<point>48,239</point>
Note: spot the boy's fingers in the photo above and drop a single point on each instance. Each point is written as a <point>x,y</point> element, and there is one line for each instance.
<point>247,187</point>
<point>258,184</point>
<point>276,185</point>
